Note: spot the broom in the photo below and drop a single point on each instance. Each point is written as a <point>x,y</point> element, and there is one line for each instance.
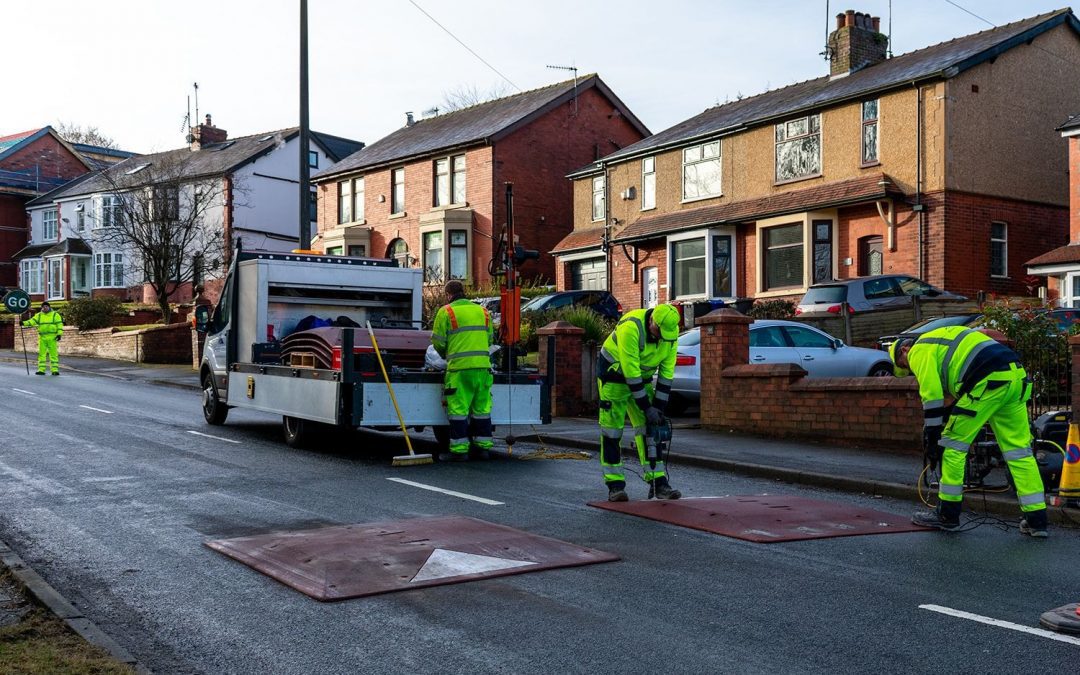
<point>411,459</point>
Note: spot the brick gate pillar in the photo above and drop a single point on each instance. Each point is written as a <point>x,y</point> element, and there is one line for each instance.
<point>1074,348</point>
<point>725,341</point>
<point>562,344</point>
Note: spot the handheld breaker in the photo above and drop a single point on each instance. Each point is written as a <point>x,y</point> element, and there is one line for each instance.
<point>657,446</point>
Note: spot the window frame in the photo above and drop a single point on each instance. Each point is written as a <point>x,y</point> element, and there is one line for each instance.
<point>702,159</point>
<point>433,273</point>
<point>1004,242</point>
<point>359,190</point>
<point>110,212</point>
<point>80,217</point>
<point>711,236</point>
<point>766,248</point>
<point>344,204</point>
<point>777,142</point>
<point>646,174</point>
<point>599,197</point>
<point>449,246</point>
<point>870,122</point>
<point>32,275</point>
<point>457,180</point>
<point>115,263</point>
<point>866,248</point>
<point>54,221</point>
<point>397,181</point>
<point>815,242</point>
<point>313,159</point>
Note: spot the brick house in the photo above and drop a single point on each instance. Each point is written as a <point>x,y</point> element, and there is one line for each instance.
<point>31,164</point>
<point>253,181</point>
<point>1061,265</point>
<point>933,163</point>
<point>432,193</point>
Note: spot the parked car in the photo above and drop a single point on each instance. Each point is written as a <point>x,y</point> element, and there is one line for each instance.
<point>601,302</point>
<point>932,323</point>
<point>881,291</point>
<point>1066,318</point>
<point>775,341</point>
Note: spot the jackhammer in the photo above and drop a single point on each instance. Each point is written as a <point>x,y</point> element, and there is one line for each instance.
<point>657,447</point>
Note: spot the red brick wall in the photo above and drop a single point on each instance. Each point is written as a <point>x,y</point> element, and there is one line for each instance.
<point>13,234</point>
<point>536,159</point>
<point>7,335</point>
<point>1074,189</point>
<point>48,158</point>
<point>567,386</point>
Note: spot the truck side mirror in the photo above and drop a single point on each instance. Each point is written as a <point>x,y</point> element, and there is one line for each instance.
<point>202,317</point>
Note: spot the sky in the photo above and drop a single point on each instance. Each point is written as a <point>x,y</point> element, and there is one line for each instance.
<point>128,66</point>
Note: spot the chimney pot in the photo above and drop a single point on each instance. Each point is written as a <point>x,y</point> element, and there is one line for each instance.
<point>856,43</point>
<point>876,23</point>
<point>839,21</point>
<point>409,119</point>
<point>849,17</point>
<point>208,122</point>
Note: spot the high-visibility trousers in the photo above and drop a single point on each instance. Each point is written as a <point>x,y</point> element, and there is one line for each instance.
<point>468,395</point>
<point>47,350</point>
<point>1000,399</point>
<point>616,403</point>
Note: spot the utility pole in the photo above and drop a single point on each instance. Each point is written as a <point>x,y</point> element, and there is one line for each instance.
<point>305,140</point>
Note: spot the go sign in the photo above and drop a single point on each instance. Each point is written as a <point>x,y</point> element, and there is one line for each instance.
<point>16,301</point>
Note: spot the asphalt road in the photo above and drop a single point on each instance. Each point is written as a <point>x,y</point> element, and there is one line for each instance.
<point>107,494</point>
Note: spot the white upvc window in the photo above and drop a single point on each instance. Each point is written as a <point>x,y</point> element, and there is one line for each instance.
<point>80,217</point>
<point>1070,290</point>
<point>109,212</point>
<point>999,249</point>
<point>344,214</point>
<point>648,183</point>
<point>702,175</point>
<point>397,193</point>
<point>358,199</point>
<point>702,264</point>
<point>32,276</point>
<point>798,148</point>
<point>598,198</point>
<point>50,225</point>
<point>449,180</point>
<point>108,270</point>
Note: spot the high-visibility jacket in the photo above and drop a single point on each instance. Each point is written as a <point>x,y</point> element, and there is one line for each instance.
<point>630,354</point>
<point>462,334</point>
<point>48,323</point>
<point>949,362</point>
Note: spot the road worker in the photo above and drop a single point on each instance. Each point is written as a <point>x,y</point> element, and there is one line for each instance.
<point>983,382</point>
<point>463,334</point>
<point>50,328</point>
<point>642,345</point>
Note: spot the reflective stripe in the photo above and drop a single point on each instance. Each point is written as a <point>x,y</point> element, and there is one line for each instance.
<point>462,355</point>
<point>934,421</point>
<point>639,431</point>
<point>457,418</point>
<point>934,341</point>
<point>450,313</point>
<point>661,396</point>
<point>482,439</point>
<point>611,433</point>
<point>453,331</point>
<point>459,441</point>
<point>663,382</point>
<point>1031,499</point>
<point>632,381</point>
<point>971,356</point>
<point>641,330</point>
<point>959,446</point>
<point>951,490</point>
<point>936,403</point>
<point>641,393</point>
<point>607,355</point>
<point>481,417</point>
<point>1019,453</point>
<point>438,339</point>
<point>954,344</point>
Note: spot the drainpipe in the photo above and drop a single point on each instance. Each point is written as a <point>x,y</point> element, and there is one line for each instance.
<point>918,175</point>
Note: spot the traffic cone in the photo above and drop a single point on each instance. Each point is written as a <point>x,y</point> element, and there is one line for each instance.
<point>1069,486</point>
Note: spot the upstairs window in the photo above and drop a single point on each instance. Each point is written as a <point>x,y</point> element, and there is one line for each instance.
<point>358,199</point>
<point>167,203</point>
<point>397,194</point>
<point>798,148</point>
<point>313,159</point>
<point>870,132</point>
<point>701,171</point>
<point>598,198</point>
<point>313,206</point>
<point>999,249</point>
<point>648,183</point>
<point>450,180</point>
<point>110,211</point>
<point>49,225</point>
<point>457,178</point>
<point>344,214</point>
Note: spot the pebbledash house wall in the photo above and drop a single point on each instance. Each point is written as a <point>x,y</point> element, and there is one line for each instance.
<point>535,158</point>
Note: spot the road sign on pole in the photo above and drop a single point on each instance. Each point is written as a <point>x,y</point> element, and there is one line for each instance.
<point>16,301</point>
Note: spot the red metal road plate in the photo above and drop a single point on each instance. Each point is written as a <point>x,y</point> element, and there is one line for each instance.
<point>767,518</point>
<point>352,561</point>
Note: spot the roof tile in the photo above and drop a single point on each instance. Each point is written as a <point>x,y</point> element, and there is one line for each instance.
<point>1059,256</point>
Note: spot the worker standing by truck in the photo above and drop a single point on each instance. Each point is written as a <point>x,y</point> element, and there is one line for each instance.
<point>50,328</point>
<point>642,344</point>
<point>463,334</point>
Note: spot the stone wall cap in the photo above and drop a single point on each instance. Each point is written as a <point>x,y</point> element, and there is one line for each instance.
<point>561,328</point>
<point>723,315</point>
<point>764,370</point>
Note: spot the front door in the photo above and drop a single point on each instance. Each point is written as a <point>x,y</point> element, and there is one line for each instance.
<point>55,290</point>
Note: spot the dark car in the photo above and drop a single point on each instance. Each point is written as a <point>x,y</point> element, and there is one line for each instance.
<point>932,323</point>
<point>601,302</point>
<point>861,294</point>
<point>1066,318</point>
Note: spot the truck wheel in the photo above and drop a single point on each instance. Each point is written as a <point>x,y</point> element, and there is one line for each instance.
<point>213,409</point>
<point>442,436</point>
<point>296,430</point>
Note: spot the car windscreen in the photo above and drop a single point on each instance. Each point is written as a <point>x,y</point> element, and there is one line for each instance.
<point>690,338</point>
<point>820,295</point>
<point>941,322</point>
<point>536,303</point>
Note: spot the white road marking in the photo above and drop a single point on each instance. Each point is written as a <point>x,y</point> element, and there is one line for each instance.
<point>443,564</point>
<point>23,391</point>
<point>216,438</point>
<point>107,412</point>
<point>1050,635</point>
<point>462,495</point>
<point>106,479</point>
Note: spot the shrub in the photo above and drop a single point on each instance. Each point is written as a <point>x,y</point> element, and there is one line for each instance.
<point>772,309</point>
<point>91,313</point>
<point>596,327</point>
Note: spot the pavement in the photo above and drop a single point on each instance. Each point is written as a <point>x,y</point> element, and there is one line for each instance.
<point>861,470</point>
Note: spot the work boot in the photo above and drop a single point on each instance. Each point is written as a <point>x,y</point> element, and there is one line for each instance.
<point>616,492</point>
<point>453,457</point>
<point>479,453</point>
<point>56,373</point>
<point>40,372</point>
<point>661,489</point>
<point>1033,524</point>
<point>935,519</point>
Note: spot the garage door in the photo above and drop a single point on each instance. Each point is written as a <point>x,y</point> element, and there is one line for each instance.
<point>588,275</point>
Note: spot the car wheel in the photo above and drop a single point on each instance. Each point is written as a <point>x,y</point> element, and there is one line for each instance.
<point>677,405</point>
<point>297,431</point>
<point>881,370</point>
<point>214,411</point>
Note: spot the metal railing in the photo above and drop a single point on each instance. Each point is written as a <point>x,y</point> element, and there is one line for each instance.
<point>1050,370</point>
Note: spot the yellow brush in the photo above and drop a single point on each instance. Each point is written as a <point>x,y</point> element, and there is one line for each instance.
<point>411,459</point>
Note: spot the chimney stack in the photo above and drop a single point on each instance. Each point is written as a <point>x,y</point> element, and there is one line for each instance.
<point>856,43</point>
<point>409,121</point>
<point>205,134</point>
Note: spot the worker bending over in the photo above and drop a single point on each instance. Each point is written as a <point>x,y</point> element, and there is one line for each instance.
<point>988,384</point>
<point>643,343</point>
<point>463,334</point>
<point>50,328</point>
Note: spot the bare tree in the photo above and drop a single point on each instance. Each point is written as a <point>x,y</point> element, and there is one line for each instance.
<point>466,95</point>
<point>90,135</point>
<point>167,222</point>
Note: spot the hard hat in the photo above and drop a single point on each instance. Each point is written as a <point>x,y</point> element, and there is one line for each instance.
<point>667,318</point>
<point>894,351</point>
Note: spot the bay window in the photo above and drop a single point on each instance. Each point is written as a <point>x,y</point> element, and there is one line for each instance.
<point>32,276</point>
<point>702,264</point>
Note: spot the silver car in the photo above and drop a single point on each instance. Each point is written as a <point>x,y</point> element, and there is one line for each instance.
<point>819,353</point>
<point>880,291</point>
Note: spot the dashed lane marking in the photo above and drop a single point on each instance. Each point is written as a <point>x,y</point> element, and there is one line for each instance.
<point>107,412</point>
<point>216,438</point>
<point>23,391</point>
<point>1049,635</point>
<point>452,493</point>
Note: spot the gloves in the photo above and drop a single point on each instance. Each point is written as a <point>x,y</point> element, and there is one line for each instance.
<point>58,337</point>
<point>931,450</point>
<point>653,416</point>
